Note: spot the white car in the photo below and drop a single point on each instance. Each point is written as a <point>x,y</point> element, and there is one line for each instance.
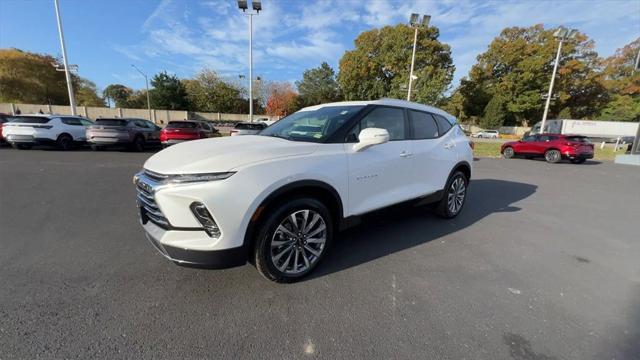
<point>247,128</point>
<point>487,134</point>
<point>277,199</point>
<point>24,131</point>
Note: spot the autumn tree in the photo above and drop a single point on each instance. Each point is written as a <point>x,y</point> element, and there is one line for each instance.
<point>517,66</point>
<point>623,85</point>
<point>380,63</point>
<point>319,85</point>
<point>118,94</point>
<point>282,99</point>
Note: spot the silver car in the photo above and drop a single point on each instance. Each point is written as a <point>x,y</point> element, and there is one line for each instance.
<point>247,128</point>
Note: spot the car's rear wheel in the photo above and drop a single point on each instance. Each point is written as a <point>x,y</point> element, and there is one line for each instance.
<point>454,197</point>
<point>64,142</point>
<point>138,144</point>
<point>508,152</point>
<point>578,161</point>
<point>552,156</point>
<point>293,239</point>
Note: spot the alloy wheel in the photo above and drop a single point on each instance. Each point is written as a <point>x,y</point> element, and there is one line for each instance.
<point>456,194</point>
<point>298,242</point>
<point>508,152</point>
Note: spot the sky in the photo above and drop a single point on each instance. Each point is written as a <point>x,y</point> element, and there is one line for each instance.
<point>104,38</point>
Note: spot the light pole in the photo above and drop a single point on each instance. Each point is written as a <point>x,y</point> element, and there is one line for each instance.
<point>146,79</point>
<point>72,99</point>
<point>257,6</point>
<point>562,34</point>
<point>416,24</point>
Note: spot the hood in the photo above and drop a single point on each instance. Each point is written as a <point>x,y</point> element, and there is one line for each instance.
<point>223,154</point>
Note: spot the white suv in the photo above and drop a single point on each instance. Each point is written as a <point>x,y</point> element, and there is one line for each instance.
<point>278,198</point>
<point>24,131</point>
<point>487,134</point>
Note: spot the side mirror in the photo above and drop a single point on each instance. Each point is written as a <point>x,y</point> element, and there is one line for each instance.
<point>370,137</point>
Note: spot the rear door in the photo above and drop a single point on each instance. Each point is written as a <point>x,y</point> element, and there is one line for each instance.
<point>75,128</point>
<point>434,152</point>
<point>381,175</point>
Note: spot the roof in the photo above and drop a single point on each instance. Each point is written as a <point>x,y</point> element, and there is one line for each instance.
<point>46,115</point>
<point>385,101</point>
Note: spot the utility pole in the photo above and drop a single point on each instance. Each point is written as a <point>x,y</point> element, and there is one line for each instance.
<point>146,79</point>
<point>413,21</point>
<point>257,6</point>
<point>72,99</point>
<point>562,35</point>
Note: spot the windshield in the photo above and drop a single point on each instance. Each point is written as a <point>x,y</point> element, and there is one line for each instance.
<point>312,125</point>
<point>181,125</point>
<point>30,119</point>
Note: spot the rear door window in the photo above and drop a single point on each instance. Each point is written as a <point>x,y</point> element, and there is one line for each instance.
<point>71,121</point>
<point>423,125</point>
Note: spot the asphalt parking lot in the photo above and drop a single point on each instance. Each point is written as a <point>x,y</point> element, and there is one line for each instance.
<point>542,264</point>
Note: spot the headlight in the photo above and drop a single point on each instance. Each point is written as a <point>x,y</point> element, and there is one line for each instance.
<point>189,178</point>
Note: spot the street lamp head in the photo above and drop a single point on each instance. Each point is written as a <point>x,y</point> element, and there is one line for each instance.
<point>413,20</point>
<point>425,20</point>
<point>561,33</point>
<point>257,5</point>
<point>242,4</point>
<point>572,34</point>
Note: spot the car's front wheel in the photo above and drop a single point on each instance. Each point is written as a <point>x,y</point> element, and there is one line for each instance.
<point>508,152</point>
<point>454,197</point>
<point>64,142</point>
<point>293,239</point>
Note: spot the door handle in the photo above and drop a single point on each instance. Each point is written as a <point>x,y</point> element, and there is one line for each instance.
<point>449,145</point>
<point>405,154</point>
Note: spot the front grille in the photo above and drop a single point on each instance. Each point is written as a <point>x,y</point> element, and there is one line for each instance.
<point>149,210</point>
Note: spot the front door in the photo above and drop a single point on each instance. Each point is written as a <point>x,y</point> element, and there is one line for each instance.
<point>382,174</point>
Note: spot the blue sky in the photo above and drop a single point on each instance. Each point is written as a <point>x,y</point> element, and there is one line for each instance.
<point>183,36</point>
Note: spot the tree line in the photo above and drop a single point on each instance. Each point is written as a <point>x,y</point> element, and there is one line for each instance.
<point>506,85</point>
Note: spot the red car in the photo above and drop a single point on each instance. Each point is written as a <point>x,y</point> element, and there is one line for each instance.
<point>553,147</point>
<point>179,131</point>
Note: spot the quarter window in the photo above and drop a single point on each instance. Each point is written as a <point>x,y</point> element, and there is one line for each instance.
<point>443,124</point>
<point>424,125</point>
<point>72,121</point>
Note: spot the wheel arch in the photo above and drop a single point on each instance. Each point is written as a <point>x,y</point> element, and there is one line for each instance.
<point>64,133</point>
<point>463,166</point>
<point>316,189</point>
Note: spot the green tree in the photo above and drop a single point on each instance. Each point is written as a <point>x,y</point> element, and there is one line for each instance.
<point>118,94</point>
<point>454,105</point>
<point>495,113</point>
<point>86,93</point>
<point>210,93</point>
<point>517,66</point>
<point>380,63</point>
<point>31,78</point>
<point>168,92</point>
<point>137,100</point>
<point>319,85</point>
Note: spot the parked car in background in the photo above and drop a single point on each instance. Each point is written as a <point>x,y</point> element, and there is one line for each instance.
<point>553,147</point>
<point>64,132</point>
<point>278,198</point>
<point>3,119</point>
<point>486,134</point>
<point>608,131</point>
<point>179,131</point>
<point>247,128</point>
<point>135,134</point>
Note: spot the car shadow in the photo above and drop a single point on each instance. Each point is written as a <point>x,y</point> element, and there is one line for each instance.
<point>402,227</point>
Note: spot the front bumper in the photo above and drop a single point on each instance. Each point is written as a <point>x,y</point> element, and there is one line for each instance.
<point>212,259</point>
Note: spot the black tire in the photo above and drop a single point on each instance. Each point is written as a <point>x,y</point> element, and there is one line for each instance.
<point>452,189</point>
<point>138,144</point>
<point>508,152</point>
<point>97,148</point>
<point>552,156</point>
<point>263,253</point>
<point>21,146</point>
<point>64,142</point>
<point>578,161</point>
